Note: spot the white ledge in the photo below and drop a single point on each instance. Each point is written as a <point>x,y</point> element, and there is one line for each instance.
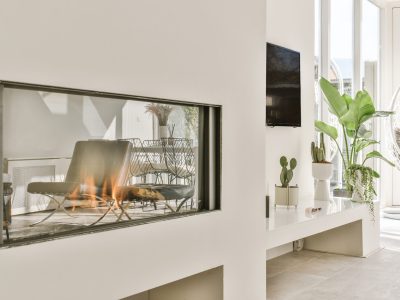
<point>289,224</point>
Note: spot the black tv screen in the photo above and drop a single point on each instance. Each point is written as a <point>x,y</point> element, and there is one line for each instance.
<point>283,95</point>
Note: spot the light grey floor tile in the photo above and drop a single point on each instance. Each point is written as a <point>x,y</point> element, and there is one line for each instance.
<point>311,275</point>
<point>287,284</point>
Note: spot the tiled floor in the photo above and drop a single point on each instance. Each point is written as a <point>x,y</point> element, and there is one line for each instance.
<point>308,275</point>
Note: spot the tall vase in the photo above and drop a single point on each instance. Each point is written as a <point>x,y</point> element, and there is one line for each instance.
<point>322,172</point>
<point>163,132</point>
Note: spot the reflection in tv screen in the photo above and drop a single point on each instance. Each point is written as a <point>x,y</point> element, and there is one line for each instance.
<point>283,94</point>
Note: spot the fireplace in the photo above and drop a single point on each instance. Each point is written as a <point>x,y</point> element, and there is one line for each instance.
<point>77,161</point>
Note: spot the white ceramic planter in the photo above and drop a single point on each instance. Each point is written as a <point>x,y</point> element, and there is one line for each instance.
<point>322,172</point>
<point>163,132</point>
<point>286,196</point>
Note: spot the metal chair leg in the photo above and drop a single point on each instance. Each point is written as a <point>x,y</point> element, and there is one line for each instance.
<point>102,217</point>
<point>181,204</point>
<point>6,222</point>
<point>110,205</point>
<point>7,233</point>
<point>59,205</point>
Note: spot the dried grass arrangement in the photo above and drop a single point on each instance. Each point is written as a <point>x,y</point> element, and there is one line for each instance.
<point>161,111</point>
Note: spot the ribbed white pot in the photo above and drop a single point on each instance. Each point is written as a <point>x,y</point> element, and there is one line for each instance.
<point>322,172</point>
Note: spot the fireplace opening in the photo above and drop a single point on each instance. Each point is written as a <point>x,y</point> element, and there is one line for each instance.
<point>77,161</point>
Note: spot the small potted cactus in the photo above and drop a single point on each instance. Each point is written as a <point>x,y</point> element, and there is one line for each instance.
<point>321,170</point>
<point>286,194</point>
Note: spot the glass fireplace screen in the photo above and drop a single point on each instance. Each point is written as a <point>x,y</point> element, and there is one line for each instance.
<point>78,160</point>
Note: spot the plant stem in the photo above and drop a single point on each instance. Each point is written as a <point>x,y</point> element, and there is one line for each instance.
<point>347,146</point>
<point>341,154</point>
<point>353,147</point>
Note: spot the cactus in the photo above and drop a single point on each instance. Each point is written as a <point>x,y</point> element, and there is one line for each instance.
<point>318,154</point>
<point>287,174</point>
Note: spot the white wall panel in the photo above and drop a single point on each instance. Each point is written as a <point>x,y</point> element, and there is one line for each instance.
<point>206,51</point>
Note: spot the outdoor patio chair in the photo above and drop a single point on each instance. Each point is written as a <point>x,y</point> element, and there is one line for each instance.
<point>97,167</point>
<point>179,159</point>
<point>178,162</point>
<point>156,159</point>
<point>140,165</point>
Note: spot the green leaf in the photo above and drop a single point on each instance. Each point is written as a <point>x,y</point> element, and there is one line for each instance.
<point>375,174</point>
<point>348,99</point>
<point>350,133</point>
<point>360,110</point>
<point>376,154</point>
<point>337,104</point>
<point>283,161</point>
<point>363,132</point>
<point>289,175</point>
<point>327,129</point>
<point>293,163</point>
<point>363,143</point>
<point>283,177</point>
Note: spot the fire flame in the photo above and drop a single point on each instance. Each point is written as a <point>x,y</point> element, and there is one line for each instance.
<point>91,194</point>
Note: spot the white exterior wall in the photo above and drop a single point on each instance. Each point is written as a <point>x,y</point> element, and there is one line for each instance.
<point>206,51</point>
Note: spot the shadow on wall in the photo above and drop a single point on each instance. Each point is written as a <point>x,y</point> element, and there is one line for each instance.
<point>206,285</point>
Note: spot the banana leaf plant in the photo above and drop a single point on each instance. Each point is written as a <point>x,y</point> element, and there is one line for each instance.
<point>352,115</point>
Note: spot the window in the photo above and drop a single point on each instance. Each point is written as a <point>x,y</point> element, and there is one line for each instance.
<point>340,37</point>
<point>317,58</point>
<point>341,73</point>
<point>341,66</point>
<point>370,61</point>
<point>77,161</point>
<point>370,48</point>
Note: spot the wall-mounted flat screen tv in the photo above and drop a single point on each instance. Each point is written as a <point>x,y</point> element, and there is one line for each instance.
<point>283,95</point>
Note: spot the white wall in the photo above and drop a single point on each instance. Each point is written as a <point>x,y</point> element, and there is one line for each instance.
<point>39,124</point>
<point>290,24</point>
<point>208,51</point>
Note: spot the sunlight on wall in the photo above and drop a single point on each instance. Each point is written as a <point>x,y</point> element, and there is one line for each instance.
<point>111,131</point>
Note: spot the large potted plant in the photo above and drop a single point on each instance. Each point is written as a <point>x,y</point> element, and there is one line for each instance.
<point>286,194</point>
<point>353,115</point>
<point>321,169</point>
